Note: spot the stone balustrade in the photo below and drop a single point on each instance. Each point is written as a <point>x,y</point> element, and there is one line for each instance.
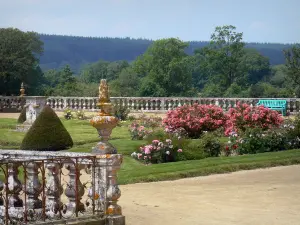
<point>146,104</point>
<point>11,103</point>
<point>159,104</point>
<point>59,188</point>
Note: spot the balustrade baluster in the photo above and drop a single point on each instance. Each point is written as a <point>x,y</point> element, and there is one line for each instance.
<point>74,189</point>
<point>113,191</point>
<point>288,107</point>
<point>84,103</point>
<point>65,105</point>
<point>124,103</point>
<point>132,104</point>
<point>294,106</point>
<point>15,203</point>
<point>57,104</point>
<point>235,103</point>
<point>33,186</point>
<point>179,103</point>
<point>54,190</point>
<point>153,104</point>
<point>94,104</point>
<point>217,102</point>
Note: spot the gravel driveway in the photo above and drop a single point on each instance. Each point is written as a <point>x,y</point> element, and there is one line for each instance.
<point>258,197</point>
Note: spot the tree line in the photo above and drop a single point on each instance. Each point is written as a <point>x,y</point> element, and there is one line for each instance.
<point>225,67</point>
<point>77,51</point>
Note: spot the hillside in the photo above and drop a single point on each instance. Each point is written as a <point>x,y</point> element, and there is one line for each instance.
<point>76,51</point>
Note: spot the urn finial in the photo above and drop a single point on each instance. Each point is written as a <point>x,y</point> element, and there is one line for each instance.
<point>104,122</point>
<point>22,90</point>
<point>104,102</point>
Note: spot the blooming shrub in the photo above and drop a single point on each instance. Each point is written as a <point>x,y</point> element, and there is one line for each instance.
<point>293,131</point>
<point>151,121</point>
<point>157,152</point>
<point>211,144</point>
<point>138,132</point>
<point>195,119</point>
<point>80,115</point>
<point>231,148</point>
<point>68,114</point>
<point>243,117</point>
<point>258,140</point>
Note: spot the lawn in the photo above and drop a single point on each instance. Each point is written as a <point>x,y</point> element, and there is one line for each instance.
<point>132,171</point>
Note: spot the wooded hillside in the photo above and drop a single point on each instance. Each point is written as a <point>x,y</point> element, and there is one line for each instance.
<point>76,51</point>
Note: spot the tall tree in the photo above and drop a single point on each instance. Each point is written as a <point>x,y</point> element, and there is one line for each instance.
<point>126,84</point>
<point>225,53</point>
<point>94,72</point>
<point>254,66</point>
<point>165,69</point>
<point>19,52</point>
<point>292,56</point>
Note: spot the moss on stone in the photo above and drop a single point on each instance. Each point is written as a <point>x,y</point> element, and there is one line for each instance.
<point>47,133</point>
<point>22,116</point>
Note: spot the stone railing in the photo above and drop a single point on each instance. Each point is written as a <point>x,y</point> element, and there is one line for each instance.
<point>11,103</point>
<point>145,104</point>
<point>59,188</point>
<point>159,104</point>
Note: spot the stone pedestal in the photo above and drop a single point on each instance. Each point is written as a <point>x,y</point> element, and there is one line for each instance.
<point>34,105</point>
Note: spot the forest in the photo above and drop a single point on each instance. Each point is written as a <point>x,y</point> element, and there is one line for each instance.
<point>225,66</point>
<point>76,51</point>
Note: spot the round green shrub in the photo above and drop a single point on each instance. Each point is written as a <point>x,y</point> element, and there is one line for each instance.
<point>47,133</point>
<point>193,150</point>
<point>22,116</point>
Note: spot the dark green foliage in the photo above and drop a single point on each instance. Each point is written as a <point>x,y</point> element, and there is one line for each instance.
<point>22,116</point>
<point>192,150</point>
<point>19,53</point>
<point>47,133</point>
<point>76,51</point>
<point>292,56</point>
<point>120,111</point>
<point>157,134</point>
<point>211,144</point>
<point>166,69</point>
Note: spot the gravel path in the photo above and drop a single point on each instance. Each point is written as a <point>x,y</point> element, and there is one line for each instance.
<point>258,197</point>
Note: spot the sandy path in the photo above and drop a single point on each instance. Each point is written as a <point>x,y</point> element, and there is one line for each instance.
<point>258,197</point>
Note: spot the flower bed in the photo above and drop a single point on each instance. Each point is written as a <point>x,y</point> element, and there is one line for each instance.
<point>157,152</point>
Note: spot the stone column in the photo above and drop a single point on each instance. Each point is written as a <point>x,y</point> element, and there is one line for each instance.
<point>34,105</point>
<point>107,191</point>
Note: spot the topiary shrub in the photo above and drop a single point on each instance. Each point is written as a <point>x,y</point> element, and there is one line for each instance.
<point>22,116</point>
<point>47,133</point>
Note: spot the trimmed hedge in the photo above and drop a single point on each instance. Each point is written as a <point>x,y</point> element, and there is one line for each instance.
<point>47,133</point>
<point>22,116</point>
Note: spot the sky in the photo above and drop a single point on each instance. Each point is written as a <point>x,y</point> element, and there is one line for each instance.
<point>272,21</point>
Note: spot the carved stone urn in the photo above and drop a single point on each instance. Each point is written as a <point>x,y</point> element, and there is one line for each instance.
<point>104,122</point>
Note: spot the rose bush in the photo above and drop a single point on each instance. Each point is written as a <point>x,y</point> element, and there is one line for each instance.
<point>138,132</point>
<point>195,119</point>
<point>157,152</point>
<point>150,121</point>
<point>244,116</point>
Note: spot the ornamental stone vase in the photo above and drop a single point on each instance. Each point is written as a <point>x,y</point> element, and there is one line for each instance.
<point>104,122</point>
